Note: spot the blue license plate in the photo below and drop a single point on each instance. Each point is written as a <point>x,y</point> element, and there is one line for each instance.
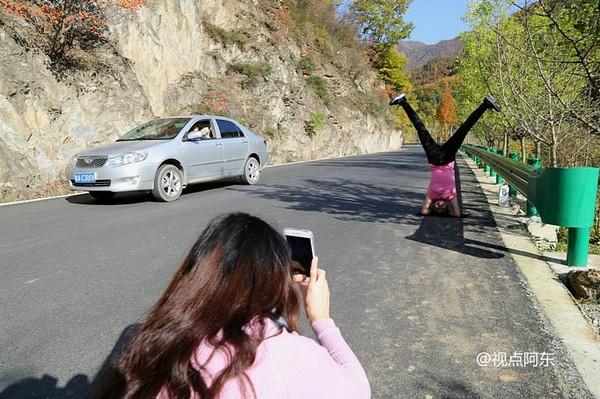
<point>85,178</point>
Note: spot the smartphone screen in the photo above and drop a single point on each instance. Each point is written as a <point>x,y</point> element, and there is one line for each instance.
<point>301,251</point>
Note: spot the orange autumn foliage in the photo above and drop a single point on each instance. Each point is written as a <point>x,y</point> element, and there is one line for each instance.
<point>64,23</point>
<point>16,8</point>
<point>131,5</point>
<point>446,112</point>
<point>216,102</point>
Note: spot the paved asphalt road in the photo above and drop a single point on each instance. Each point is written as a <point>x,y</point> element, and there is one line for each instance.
<point>416,298</point>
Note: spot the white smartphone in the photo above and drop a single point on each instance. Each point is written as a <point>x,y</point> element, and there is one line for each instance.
<point>302,245</point>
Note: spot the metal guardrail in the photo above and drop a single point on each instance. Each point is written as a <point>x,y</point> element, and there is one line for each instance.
<point>516,173</point>
<point>562,196</point>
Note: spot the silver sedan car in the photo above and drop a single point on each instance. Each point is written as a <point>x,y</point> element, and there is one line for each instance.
<point>165,155</point>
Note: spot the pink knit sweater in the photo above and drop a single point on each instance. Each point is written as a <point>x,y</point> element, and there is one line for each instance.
<point>442,184</point>
<point>290,366</point>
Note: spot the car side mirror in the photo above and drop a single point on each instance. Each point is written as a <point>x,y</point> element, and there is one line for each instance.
<point>193,136</point>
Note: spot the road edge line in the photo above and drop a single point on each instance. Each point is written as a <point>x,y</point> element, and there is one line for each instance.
<point>331,159</point>
<point>41,199</point>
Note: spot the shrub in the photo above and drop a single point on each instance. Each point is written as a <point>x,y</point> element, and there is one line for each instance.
<point>251,71</point>
<point>306,66</point>
<point>216,103</point>
<point>319,85</point>
<point>238,37</point>
<point>317,121</point>
<point>65,24</point>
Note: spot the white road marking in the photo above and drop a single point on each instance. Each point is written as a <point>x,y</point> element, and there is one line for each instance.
<point>32,281</point>
<point>41,199</point>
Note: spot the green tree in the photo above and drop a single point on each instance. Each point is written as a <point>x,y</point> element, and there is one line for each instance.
<point>381,22</point>
<point>390,65</point>
<point>382,25</point>
<point>524,61</point>
<point>575,29</point>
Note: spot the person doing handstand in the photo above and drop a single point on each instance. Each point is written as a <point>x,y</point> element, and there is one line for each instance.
<point>441,157</point>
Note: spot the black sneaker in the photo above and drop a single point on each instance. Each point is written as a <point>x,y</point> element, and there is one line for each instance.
<point>491,103</point>
<point>401,99</point>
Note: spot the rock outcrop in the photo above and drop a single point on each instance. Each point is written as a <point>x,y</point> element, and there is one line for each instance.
<point>585,284</point>
<point>168,59</point>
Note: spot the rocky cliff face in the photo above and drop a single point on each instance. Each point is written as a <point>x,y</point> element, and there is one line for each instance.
<point>169,58</point>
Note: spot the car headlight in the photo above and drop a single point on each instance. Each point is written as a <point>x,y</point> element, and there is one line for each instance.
<point>127,158</point>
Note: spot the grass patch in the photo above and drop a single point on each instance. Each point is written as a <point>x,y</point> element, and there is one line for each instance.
<point>306,66</point>
<point>252,72</point>
<point>317,121</point>
<point>563,242</point>
<point>238,37</point>
<point>319,85</point>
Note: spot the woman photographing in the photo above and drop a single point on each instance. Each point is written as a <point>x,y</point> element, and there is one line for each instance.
<point>226,327</point>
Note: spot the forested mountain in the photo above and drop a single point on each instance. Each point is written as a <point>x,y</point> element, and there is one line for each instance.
<point>419,53</point>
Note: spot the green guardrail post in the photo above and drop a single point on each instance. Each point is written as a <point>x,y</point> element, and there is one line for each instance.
<point>531,209</point>
<point>492,171</point>
<point>567,197</point>
<point>480,161</point>
<point>499,179</point>
<point>577,250</point>
<point>512,191</point>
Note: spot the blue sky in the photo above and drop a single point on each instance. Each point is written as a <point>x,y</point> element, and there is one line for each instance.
<point>436,20</point>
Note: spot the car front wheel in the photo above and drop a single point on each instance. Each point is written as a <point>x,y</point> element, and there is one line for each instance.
<point>168,183</point>
<point>251,171</point>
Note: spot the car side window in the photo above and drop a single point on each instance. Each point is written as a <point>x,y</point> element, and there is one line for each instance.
<point>229,129</point>
<point>204,127</point>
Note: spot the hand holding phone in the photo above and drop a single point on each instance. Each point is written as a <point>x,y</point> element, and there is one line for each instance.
<point>317,295</point>
<point>315,291</point>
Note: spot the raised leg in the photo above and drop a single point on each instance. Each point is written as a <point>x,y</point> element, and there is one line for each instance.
<point>450,147</point>
<point>429,145</point>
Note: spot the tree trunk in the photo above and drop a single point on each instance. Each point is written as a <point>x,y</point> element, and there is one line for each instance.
<point>553,155</point>
<point>505,146</point>
<point>538,149</point>
<point>523,150</point>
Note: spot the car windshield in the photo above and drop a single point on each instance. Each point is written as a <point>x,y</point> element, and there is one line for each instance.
<point>158,129</point>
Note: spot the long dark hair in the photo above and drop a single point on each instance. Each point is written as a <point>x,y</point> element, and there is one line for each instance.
<point>238,271</point>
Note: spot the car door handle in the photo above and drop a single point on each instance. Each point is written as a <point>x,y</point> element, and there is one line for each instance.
<point>245,142</point>
<point>219,145</point>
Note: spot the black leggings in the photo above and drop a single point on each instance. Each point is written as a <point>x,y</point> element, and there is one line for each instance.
<point>445,153</point>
